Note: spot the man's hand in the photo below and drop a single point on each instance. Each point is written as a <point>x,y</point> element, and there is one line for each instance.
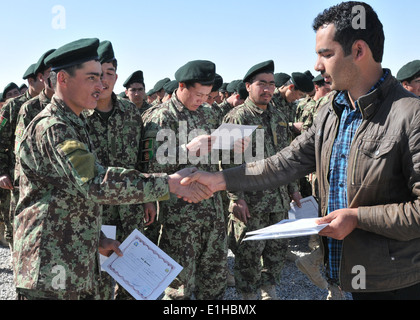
<point>241,145</point>
<point>341,223</point>
<point>296,197</point>
<point>108,246</point>
<point>240,210</point>
<point>149,213</point>
<point>201,145</point>
<point>191,192</point>
<point>214,181</point>
<point>5,182</point>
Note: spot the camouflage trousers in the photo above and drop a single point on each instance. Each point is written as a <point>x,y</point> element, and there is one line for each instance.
<point>5,214</point>
<point>257,263</point>
<point>200,247</point>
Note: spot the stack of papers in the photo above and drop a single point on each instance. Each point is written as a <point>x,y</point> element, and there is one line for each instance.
<point>287,229</point>
<point>228,133</point>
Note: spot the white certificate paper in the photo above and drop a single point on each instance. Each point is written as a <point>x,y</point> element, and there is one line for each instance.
<point>309,209</point>
<point>287,229</point>
<point>228,133</point>
<point>144,270</point>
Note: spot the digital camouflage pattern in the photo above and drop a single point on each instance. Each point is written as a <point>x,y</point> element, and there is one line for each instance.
<point>8,118</point>
<point>289,109</point>
<point>116,139</point>
<point>194,235</point>
<point>259,263</point>
<point>58,215</point>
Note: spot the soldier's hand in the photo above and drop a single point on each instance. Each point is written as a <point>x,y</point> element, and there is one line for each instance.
<point>215,181</point>
<point>149,213</point>
<point>191,192</point>
<point>296,197</point>
<point>108,246</point>
<point>201,145</point>
<point>241,145</point>
<point>241,211</point>
<point>6,182</point>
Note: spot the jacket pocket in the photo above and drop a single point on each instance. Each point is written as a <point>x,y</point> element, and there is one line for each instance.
<point>372,164</point>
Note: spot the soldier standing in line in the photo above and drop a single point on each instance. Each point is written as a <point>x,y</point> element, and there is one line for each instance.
<point>255,210</point>
<point>159,91</point>
<point>409,76</point>
<point>115,129</point>
<point>57,226</point>
<point>194,235</point>
<point>8,120</point>
<point>135,90</point>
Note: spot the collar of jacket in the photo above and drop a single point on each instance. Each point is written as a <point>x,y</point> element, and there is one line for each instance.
<point>61,107</point>
<point>370,103</point>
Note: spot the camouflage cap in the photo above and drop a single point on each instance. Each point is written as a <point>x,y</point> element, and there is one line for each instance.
<point>409,70</point>
<point>170,86</point>
<point>196,71</point>
<point>302,82</point>
<point>73,53</point>
<point>40,66</point>
<point>29,73</point>
<point>106,52</point>
<point>281,78</point>
<point>159,85</point>
<point>135,77</point>
<point>263,67</point>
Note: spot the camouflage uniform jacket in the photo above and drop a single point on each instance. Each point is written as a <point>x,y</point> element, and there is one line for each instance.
<point>173,115</point>
<point>117,142</point>
<point>310,111</point>
<point>57,223</point>
<point>276,137</point>
<point>8,119</point>
<point>289,109</point>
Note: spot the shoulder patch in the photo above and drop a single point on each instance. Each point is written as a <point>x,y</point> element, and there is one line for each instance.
<point>80,158</point>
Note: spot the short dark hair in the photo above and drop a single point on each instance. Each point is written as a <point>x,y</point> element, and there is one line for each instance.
<point>191,83</point>
<point>342,16</point>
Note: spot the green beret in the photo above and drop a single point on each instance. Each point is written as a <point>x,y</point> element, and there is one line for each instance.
<point>302,82</point>
<point>281,78</point>
<point>233,86</point>
<point>241,89</point>
<point>8,88</point>
<point>218,82</point>
<point>22,86</point>
<point>40,66</point>
<point>73,53</point>
<point>29,73</point>
<point>202,71</point>
<point>223,87</point>
<point>170,86</point>
<point>309,74</point>
<point>159,85</point>
<point>135,77</point>
<point>263,67</point>
<point>318,78</point>
<point>409,70</point>
<point>150,93</point>
<point>106,52</point>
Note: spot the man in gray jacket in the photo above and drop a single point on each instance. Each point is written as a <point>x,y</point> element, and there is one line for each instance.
<point>365,148</point>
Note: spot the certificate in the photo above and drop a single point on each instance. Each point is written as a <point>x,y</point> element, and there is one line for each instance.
<point>228,133</point>
<point>144,270</point>
<point>287,229</point>
<point>309,209</point>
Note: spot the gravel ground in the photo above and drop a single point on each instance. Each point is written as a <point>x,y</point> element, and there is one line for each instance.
<point>294,284</point>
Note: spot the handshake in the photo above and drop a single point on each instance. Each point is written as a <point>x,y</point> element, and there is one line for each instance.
<point>194,186</point>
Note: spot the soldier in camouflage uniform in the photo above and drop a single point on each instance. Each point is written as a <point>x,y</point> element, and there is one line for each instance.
<point>8,120</point>
<point>57,224</point>
<point>295,88</point>
<point>258,264</point>
<point>194,235</point>
<point>159,91</point>
<point>115,129</point>
<point>135,90</point>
